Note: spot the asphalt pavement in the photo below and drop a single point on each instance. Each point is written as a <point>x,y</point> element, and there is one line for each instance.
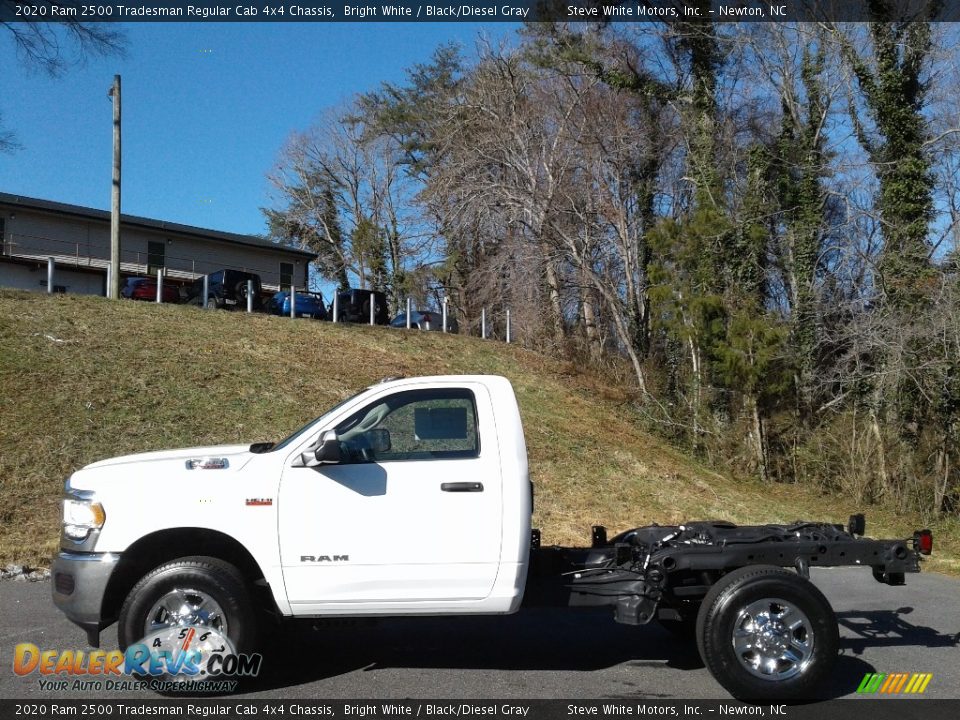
<point>537,653</point>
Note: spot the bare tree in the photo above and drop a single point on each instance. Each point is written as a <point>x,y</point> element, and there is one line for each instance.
<point>502,165</point>
<point>608,211</point>
<point>53,45</point>
<point>340,191</point>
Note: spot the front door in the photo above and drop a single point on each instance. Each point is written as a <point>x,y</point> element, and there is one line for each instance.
<point>411,514</point>
<point>156,257</point>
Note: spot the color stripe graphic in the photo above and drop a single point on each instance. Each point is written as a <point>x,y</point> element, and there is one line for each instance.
<point>894,683</point>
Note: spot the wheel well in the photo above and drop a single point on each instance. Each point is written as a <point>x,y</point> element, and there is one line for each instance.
<point>163,546</point>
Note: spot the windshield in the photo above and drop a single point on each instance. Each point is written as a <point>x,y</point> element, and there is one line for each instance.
<point>289,439</point>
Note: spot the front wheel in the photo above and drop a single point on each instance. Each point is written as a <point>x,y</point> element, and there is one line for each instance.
<point>766,633</point>
<point>198,592</point>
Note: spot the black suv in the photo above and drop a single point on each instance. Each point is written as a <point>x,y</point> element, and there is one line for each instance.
<point>354,306</point>
<point>226,289</point>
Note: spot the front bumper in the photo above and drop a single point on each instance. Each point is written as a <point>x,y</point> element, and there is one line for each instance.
<point>79,582</point>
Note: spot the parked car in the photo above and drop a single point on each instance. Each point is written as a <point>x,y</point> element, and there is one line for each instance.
<point>226,289</point>
<point>425,320</point>
<point>354,306</point>
<point>306,304</point>
<point>144,288</point>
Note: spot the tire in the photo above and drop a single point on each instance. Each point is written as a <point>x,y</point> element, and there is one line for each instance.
<point>240,292</point>
<point>214,580</point>
<point>766,633</point>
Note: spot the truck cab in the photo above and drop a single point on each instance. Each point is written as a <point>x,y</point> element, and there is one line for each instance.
<point>410,497</point>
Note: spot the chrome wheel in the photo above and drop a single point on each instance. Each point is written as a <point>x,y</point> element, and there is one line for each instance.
<point>773,639</point>
<point>185,607</point>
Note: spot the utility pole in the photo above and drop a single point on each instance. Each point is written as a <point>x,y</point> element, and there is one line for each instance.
<point>113,292</point>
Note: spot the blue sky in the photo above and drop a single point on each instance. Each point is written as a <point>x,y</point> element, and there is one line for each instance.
<point>206,109</point>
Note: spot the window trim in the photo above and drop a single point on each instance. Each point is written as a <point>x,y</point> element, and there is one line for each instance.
<point>432,393</point>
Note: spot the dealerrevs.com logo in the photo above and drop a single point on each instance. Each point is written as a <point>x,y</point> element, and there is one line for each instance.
<point>175,659</point>
<point>894,683</point>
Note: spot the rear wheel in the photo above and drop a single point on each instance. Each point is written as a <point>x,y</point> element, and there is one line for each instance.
<point>766,633</point>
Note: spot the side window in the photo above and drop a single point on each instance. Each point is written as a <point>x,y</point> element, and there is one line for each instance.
<point>413,425</point>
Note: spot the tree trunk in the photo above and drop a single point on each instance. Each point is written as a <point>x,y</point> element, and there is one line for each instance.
<point>697,390</point>
<point>759,438</point>
<point>941,484</point>
<point>590,324</point>
<point>553,288</point>
<point>881,454</point>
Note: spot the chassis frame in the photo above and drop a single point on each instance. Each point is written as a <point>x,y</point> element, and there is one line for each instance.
<point>665,571</point>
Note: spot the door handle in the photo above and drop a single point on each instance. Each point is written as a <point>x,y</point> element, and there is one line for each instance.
<point>462,487</point>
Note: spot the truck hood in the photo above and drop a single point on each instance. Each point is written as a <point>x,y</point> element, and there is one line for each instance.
<point>236,456</point>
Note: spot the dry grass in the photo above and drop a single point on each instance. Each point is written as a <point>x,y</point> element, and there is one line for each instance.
<point>83,379</point>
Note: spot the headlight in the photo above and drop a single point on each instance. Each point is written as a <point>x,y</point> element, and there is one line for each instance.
<point>81,515</point>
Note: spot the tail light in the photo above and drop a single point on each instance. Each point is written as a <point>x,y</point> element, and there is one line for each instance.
<point>427,318</point>
<point>923,542</point>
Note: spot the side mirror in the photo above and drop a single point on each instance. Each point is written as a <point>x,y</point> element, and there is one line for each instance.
<point>327,453</point>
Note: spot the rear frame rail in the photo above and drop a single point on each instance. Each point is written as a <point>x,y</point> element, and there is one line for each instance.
<point>668,569</point>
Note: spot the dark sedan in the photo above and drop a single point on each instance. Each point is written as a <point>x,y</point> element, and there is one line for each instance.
<point>140,288</point>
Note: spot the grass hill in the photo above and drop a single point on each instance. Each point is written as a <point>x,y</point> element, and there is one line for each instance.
<point>82,378</point>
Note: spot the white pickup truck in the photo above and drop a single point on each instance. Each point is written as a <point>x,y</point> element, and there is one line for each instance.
<point>412,497</point>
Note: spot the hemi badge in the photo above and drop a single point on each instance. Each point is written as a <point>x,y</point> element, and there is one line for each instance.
<point>207,463</point>
<point>256,502</point>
